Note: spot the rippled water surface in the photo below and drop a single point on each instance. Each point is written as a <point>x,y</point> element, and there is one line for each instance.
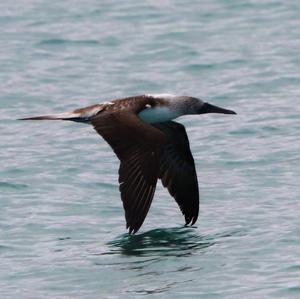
<point>62,228</point>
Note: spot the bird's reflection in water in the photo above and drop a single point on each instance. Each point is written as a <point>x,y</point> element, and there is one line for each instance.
<point>181,241</point>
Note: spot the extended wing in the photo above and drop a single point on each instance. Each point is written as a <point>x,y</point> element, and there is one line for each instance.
<point>138,146</point>
<point>177,170</point>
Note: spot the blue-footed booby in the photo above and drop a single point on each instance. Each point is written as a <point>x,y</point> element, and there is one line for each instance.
<point>150,146</point>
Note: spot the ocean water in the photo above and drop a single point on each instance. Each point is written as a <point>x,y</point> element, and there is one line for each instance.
<point>62,227</point>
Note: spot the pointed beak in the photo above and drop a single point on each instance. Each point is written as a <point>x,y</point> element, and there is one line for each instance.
<point>209,108</point>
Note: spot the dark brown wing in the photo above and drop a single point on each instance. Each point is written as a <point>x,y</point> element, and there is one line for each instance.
<point>137,145</point>
<point>177,170</point>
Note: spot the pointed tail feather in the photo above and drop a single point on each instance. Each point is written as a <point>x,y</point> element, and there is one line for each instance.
<point>83,115</point>
<point>59,116</point>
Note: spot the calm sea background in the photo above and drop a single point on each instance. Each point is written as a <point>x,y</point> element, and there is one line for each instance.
<point>62,228</point>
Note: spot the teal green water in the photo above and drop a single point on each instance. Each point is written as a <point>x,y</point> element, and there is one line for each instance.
<point>62,229</point>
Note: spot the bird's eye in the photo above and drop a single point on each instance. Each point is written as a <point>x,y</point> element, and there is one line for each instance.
<point>151,104</point>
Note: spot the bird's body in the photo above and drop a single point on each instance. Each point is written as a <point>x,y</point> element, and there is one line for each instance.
<point>150,146</point>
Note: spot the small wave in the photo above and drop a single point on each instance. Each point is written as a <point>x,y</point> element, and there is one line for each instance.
<point>15,186</point>
<point>63,42</point>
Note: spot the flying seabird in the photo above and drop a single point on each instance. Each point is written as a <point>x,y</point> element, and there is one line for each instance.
<point>150,146</point>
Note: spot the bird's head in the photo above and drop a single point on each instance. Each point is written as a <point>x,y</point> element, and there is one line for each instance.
<point>169,106</point>
<point>193,105</point>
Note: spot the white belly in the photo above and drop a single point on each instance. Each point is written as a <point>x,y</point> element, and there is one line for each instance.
<point>158,114</point>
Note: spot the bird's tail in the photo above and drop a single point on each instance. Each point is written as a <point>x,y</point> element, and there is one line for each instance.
<point>79,115</point>
<point>58,116</point>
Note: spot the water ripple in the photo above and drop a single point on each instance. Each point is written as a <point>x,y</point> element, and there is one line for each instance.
<point>60,208</point>
<point>66,42</point>
<point>164,242</point>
